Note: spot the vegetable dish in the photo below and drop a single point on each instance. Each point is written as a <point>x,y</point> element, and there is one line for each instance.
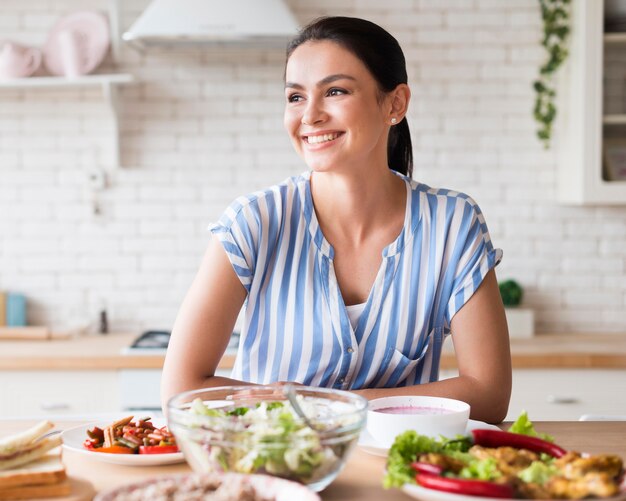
<point>518,463</point>
<point>131,437</point>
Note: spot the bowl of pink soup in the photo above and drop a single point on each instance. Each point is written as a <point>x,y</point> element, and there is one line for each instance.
<point>433,416</point>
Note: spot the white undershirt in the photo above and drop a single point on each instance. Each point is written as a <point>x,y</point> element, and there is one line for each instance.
<point>354,313</point>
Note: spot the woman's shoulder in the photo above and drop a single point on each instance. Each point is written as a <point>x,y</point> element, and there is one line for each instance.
<point>259,202</point>
<point>436,199</point>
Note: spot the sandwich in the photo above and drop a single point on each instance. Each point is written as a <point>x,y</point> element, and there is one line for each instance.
<point>24,447</point>
<point>31,465</point>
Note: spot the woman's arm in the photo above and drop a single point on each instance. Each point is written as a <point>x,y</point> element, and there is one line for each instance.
<point>203,326</point>
<point>481,342</point>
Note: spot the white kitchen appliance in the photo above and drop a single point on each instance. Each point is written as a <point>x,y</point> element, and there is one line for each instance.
<point>140,388</point>
<point>258,23</point>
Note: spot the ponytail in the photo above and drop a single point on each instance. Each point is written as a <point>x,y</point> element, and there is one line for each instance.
<point>400,149</point>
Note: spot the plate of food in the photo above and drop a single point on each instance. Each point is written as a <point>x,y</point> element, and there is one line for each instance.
<point>127,441</point>
<point>486,464</point>
<point>233,486</point>
<point>370,445</point>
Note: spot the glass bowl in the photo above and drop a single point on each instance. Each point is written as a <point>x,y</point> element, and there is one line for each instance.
<point>254,429</point>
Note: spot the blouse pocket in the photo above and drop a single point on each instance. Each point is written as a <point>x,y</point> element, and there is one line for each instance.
<point>399,366</point>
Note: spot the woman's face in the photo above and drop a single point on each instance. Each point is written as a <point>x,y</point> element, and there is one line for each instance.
<point>333,112</point>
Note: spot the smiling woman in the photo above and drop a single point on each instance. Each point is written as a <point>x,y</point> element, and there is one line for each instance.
<point>351,274</point>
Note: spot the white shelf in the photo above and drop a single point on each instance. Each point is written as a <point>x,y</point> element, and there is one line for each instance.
<point>614,119</point>
<point>82,81</point>
<point>108,84</point>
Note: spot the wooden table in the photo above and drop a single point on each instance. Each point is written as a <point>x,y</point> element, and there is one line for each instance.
<point>362,477</point>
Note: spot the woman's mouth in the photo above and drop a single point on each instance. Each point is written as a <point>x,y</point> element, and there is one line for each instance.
<point>322,138</point>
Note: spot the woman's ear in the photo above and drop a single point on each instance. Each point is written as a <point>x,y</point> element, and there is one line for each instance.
<point>399,103</point>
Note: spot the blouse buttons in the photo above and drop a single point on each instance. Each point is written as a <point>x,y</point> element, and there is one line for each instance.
<point>350,350</point>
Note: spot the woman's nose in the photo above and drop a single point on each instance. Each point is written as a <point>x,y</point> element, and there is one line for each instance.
<point>314,112</point>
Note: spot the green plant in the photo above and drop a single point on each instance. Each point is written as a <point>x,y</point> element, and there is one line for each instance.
<point>511,292</point>
<point>556,29</point>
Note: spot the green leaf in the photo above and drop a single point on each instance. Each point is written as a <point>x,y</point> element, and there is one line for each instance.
<point>524,426</point>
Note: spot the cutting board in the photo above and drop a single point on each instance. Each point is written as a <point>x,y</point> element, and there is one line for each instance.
<point>81,491</point>
<point>31,332</point>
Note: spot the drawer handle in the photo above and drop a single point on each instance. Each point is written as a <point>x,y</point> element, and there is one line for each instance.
<point>557,399</point>
<point>54,406</point>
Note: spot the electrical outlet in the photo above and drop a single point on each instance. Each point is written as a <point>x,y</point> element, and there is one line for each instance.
<point>96,179</point>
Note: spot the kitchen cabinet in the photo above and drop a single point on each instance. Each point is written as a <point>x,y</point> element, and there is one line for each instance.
<point>58,392</point>
<point>583,124</point>
<point>565,394</point>
<point>555,376</point>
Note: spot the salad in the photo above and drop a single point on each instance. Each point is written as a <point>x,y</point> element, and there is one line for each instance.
<point>519,463</point>
<point>269,437</point>
<point>131,437</point>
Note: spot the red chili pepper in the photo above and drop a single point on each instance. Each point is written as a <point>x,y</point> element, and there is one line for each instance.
<point>464,486</point>
<point>496,438</point>
<point>157,449</point>
<point>423,467</point>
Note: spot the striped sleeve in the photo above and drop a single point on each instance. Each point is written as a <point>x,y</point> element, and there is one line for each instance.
<point>237,230</point>
<point>476,257</point>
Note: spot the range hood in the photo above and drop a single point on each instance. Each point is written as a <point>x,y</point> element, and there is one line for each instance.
<point>250,23</point>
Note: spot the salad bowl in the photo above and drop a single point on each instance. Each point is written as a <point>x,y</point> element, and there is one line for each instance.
<point>255,429</point>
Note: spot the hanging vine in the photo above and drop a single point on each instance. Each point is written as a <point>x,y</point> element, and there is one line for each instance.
<point>556,29</point>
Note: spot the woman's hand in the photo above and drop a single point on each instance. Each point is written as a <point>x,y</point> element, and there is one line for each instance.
<point>271,392</point>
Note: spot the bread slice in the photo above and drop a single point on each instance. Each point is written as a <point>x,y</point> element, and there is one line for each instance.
<point>30,453</point>
<point>36,491</point>
<point>48,469</point>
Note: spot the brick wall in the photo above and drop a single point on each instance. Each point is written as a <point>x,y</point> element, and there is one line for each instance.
<point>203,126</point>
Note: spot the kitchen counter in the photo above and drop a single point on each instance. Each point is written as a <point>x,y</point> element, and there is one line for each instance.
<point>103,352</point>
<point>362,477</point>
<point>95,352</point>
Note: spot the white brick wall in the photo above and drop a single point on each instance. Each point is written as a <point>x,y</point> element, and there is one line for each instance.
<point>203,126</point>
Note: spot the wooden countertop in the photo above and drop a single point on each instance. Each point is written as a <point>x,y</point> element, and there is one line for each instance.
<point>89,352</point>
<point>103,352</point>
<point>361,478</point>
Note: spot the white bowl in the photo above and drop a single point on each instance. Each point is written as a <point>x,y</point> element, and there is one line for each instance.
<point>432,416</point>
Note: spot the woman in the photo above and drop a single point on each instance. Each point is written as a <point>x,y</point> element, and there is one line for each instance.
<point>352,274</point>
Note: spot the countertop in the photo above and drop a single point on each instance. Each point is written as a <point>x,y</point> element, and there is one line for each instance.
<point>361,478</point>
<point>103,352</point>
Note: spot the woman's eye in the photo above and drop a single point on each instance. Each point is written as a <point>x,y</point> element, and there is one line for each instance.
<point>294,98</point>
<point>335,91</point>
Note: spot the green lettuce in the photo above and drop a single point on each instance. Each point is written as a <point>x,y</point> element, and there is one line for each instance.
<point>538,472</point>
<point>524,426</point>
<point>481,469</point>
<point>408,445</point>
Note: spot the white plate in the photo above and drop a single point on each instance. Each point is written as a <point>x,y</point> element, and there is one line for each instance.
<point>74,437</point>
<point>423,494</point>
<point>371,446</point>
<point>271,488</point>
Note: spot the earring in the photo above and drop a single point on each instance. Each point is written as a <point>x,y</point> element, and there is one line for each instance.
<point>394,120</point>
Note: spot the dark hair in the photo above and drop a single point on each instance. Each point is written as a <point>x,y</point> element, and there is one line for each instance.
<point>383,57</point>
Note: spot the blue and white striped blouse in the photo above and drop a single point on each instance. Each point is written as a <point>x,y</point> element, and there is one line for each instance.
<point>296,327</point>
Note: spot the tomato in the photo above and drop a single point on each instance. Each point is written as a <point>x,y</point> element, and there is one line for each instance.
<point>88,444</point>
<point>115,449</point>
<point>157,449</point>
